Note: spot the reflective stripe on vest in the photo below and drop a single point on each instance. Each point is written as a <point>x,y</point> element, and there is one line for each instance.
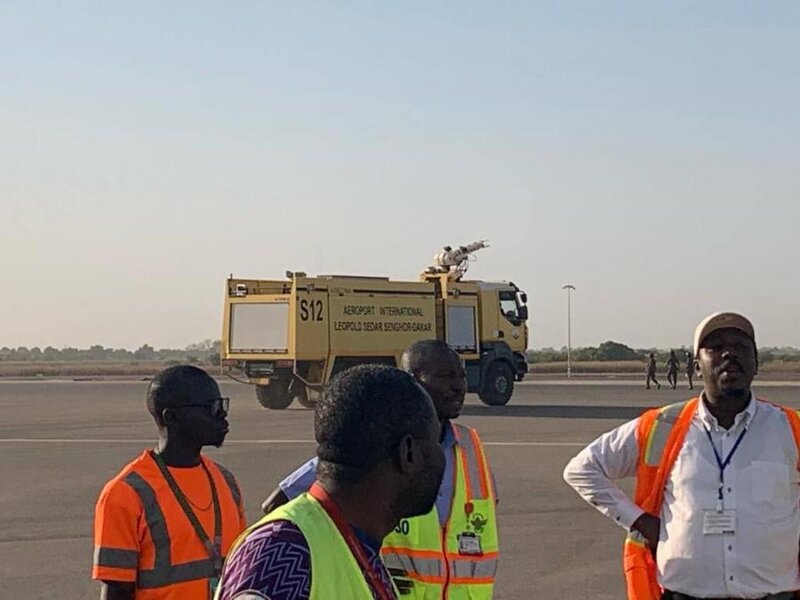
<point>116,558</point>
<point>469,568</point>
<point>659,433</point>
<point>654,449</point>
<point>428,569</point>
<point>472,462</point>
<point>634,537</point>
<point>232,485</point>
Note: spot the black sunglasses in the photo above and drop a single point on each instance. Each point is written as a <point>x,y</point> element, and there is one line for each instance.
<point>219,406</point>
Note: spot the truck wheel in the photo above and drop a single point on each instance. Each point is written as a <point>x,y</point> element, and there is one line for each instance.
<point>273,396</point>
<point>498,385</point>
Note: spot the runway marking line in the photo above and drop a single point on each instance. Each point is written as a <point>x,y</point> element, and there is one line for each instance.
<point>240,442</point>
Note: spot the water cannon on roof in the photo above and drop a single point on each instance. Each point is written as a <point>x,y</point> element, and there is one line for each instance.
<point>455,261</point>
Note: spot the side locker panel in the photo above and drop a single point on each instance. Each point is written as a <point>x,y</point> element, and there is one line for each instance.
<point>462,325</point>
<point>259,326</point>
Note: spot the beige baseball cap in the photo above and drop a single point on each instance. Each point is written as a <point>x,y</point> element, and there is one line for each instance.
<point>722,320</point>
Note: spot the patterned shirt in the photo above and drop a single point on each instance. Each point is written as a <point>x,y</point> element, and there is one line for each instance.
<point>274,563</point>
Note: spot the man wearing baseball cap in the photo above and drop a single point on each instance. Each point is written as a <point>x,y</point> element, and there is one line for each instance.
<point>716,509</point>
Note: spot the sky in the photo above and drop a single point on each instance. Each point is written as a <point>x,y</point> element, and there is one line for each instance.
<point>646,153</point>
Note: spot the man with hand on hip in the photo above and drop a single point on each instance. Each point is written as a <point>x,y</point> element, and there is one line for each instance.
<point>716,511</point>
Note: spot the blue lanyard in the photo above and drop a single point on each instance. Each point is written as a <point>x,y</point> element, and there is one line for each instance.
<point>722,464</point>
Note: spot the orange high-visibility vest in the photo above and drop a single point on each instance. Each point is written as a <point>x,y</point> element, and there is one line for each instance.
<point>142,534</point>
<point>660,434</point>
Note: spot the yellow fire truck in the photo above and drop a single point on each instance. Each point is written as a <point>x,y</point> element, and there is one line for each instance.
<point>289,337</point>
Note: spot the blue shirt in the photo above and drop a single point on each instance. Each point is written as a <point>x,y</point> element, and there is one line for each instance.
<point>301,480</point>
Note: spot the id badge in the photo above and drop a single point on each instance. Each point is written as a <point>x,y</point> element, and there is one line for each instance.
<point>469,544</point>
<point>719,522</point>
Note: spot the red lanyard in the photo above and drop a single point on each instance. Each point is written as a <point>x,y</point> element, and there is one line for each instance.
<point>327,503</point>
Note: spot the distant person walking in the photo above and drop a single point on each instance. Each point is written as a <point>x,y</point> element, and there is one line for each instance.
<point>672,369</point>
<point>164,524</point>
<point>651,372</point>
<point>690,369</point>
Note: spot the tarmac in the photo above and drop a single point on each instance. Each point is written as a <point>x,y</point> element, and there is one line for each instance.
<point>62,440</point>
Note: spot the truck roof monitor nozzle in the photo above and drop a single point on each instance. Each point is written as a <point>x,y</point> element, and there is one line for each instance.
<point>455,261</point>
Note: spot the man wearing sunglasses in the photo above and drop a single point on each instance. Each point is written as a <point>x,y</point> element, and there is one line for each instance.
<point>164,524</point>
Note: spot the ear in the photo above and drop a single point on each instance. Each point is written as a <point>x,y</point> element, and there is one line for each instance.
<point>168,416</point>
<point>697,370</point>
<point>407,454</point>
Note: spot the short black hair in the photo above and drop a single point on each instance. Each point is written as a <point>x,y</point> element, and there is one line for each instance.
<point>171,387</point>
<point>364,413</point>
<point>419,355</point>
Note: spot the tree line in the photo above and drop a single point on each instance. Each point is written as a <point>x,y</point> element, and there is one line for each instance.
<point>205,352</point>
<point>208,352</point>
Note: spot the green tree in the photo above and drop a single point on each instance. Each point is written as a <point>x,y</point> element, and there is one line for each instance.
<point>615,351</point>
<point>97,352</point>
<point>144,352</point>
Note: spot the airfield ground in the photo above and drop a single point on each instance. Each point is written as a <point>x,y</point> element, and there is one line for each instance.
<point>61,440</point>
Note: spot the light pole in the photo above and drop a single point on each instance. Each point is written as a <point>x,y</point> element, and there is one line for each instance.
<point>569,288</point>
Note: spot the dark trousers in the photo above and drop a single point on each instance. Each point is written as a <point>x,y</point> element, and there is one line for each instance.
<point>667,595</point>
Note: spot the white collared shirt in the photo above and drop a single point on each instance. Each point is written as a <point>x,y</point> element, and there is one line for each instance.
<point>762,485</point>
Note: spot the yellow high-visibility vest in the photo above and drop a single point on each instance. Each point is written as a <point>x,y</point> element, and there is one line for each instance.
<point>335,573</point>
<point>457,561</point>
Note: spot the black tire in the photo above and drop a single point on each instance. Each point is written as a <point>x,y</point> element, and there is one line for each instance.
<point>274,396</point>
<point>498,385</point>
